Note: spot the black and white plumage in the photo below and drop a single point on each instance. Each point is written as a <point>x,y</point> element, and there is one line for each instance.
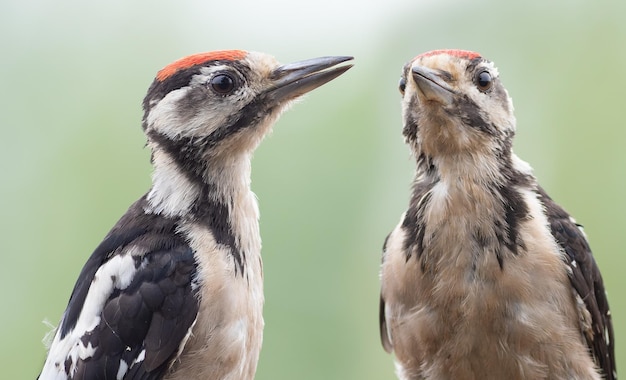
<point>485,276</point>
<point>175,290</point>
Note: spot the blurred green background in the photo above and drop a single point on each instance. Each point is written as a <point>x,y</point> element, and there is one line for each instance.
<point>334,176</point>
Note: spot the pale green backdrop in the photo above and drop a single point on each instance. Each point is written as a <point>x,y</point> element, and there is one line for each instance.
<point>333,178</point>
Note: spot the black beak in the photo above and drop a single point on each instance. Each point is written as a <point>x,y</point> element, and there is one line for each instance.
<point>298,78</point>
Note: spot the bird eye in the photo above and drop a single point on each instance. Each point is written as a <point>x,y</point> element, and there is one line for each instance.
<point>484,81</point>
<point>402,85</point>
<point>222,84</point>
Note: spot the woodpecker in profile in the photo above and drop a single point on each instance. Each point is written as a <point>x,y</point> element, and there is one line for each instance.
<point>485,276</point>
<point>175,290</point>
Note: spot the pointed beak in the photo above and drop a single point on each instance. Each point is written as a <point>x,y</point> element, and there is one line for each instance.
<point>296,79</point>
<point>431,85</point>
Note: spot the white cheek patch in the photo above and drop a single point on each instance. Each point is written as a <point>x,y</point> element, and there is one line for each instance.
<point>163,116</point>
<point>117,273</point>
<point>168,118</point>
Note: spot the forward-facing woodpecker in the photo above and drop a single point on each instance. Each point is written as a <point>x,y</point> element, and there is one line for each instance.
<point>485,276</point>
<point>175,290</point>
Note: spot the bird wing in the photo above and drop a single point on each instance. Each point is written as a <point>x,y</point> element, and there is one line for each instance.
<point>587,283</point>
<point>385,335</point>
<point>132,307</point>
<point>412,245</point>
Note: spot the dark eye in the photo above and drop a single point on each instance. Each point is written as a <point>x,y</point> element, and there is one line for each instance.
<point>484,81</point>
<point>222,84</point>
<point>402,85</point>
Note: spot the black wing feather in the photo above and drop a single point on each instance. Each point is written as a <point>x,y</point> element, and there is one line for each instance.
<point>151,316</point>
<point>586,280</point>
<point>113,241</point>
<point>413,245</point>
<point>382,318</point>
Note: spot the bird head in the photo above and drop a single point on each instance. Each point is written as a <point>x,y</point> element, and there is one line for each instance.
<point>453,105</point>
<point>218,105</point>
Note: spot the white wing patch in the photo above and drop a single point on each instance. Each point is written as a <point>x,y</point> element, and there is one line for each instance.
<point>121,371</point>
<point>140,357</point>
<point>117,273</point>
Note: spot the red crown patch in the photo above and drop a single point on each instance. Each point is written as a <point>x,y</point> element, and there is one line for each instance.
<point>453,52</point>
<point>197,59</point>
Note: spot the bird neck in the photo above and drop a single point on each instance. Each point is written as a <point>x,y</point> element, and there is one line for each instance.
<point>175,192</point>
<point>460,169</point>
<point>218,201</point>
<point>475,189</point>
<point>474,186</point>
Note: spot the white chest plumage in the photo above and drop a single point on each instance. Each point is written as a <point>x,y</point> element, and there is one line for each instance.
<point>226,338</point>
<point>465,305</point>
